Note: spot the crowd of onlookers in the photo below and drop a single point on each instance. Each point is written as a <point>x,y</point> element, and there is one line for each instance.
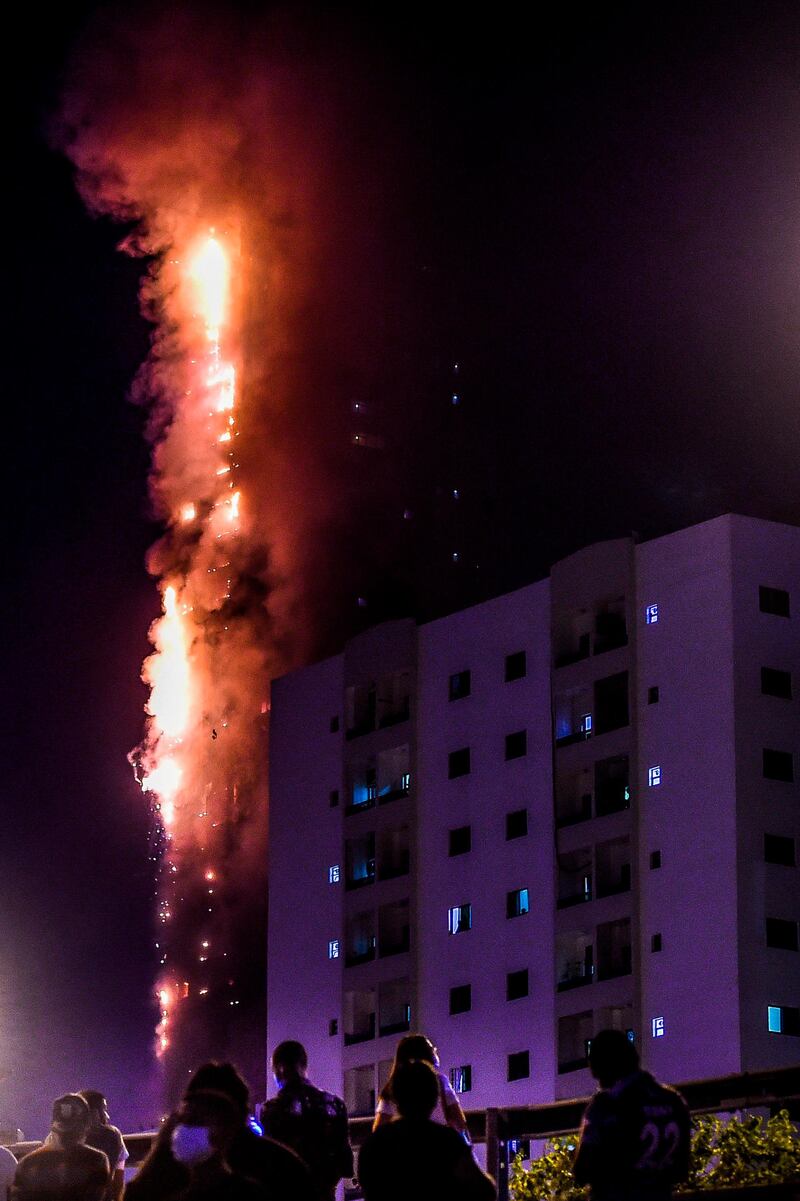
<point>633,1144</point>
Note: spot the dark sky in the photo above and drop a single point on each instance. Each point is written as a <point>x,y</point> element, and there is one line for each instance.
<point>596,216</point>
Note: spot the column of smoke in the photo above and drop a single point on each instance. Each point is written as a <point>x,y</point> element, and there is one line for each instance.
<point>178,126</point>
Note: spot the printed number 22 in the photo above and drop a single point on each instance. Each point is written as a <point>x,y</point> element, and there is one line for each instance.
<point>659,1145</point>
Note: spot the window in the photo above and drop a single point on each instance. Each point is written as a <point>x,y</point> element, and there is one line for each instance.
<point>394,1007</point>
<point>516,666</point>
<point>333,948</point>
<point>779,849</point>
<point>459,919</point>
<point>783,1019</point>
<point>657,1026</point>
<point>516,744</point>
<point>652,694</point>
<point>614,957</point>
<point>519,1065</point>
<point>654,776</point>
<point>359,861</point>
<point>782,934</point>
<point>778,765</point>
<point>612,791</point>
<point>775,682</point>
<point>334,798</point>
<point>574,1038</point>
<point>611,703</point>
<point>460,685</point>
<point>655,860</point>
<point>586,723</point>
<point>334,874</point>
<point>333,1027</point>
<point>461,998</point>
<point>516,824</point>
<point>655,943</point>
<point>517,902</point>
<point>461,1078</point>
<point>517,984</point>
<point>651,614</point>
<point>335,724</point>
<point>394,928</point>
<point>774,601</point>
<point>458,763</point>
<point>459,840</point>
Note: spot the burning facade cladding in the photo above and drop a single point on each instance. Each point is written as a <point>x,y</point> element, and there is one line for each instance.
<point>198,762</point>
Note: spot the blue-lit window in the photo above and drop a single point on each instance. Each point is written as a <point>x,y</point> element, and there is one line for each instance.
<point>333,948</point>
<point>461,1078</point>
<point>334,874</point>
<point>517,902</point>
<point>774,1019</point>
<point>783,1019</point>
<point>651,614</point>
<point>658,1027</point>
<point>586,723</point>
<point>459,918</point>
<point>654,776</point>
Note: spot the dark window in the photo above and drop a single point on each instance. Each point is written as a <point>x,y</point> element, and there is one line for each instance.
<point>516,744</point>
<point>516,824</point>
<point>459,840</point>
<point>335,724</point>
<point>334,798</point>
<point>782,934</point>
<point>517,902</point>
<point>460,685</point>
<point>655,860</point>
<point>333,1027</point>
<point>516,666</point>
<point>461,998</point>
<point>773,600</point>
<point>655,942</point>
<point>458,763</point>
<point>611,703</point>
<point>779,849</point>
<point>611,787</point>
<point>652,695</point>
<point>519,1065</point>
<point>775,682</point>
<point>517,984</point>
<point>778,765</point>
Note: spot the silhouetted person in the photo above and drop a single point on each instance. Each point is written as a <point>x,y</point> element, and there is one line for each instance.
<point>8,1168</point>
<point>414,1158</point>
<point>281,1174</point>
<point>635,1137</point>
<point>312,1122</point>
<point>106,1138</point>
<point>64,1168</point>
<point>414,1047</point>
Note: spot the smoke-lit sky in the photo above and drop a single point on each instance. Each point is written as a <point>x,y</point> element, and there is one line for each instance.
<point>597,217</point>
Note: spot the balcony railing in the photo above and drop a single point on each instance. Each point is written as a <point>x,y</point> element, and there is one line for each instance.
<point>363,1034</point>
<point>359,954</point>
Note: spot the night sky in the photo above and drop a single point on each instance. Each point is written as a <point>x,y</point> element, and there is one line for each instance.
<point>596,216</point>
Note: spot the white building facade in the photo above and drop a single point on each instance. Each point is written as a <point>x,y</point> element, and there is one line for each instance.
<point>571,807</point>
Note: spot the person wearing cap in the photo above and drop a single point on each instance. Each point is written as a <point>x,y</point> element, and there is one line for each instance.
<point>64,1168</point>
<point>635,1138</point>
<point>165,1175</point>
<point>107,1138</point>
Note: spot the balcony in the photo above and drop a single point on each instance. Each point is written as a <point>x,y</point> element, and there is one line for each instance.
<point>572,810</point>
<point>575,653</point>
<point>396,715</point>
<point>575,975</point>
<point>359,955</point>
<point>362,1034</point>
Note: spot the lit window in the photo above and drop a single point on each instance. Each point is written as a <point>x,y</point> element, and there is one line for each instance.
<point>461,1078</point>
<point>654,776</point>
<point>333,948</point>
<point>774,1019</point>
<point>658,1027</point>
<point>517,902</point>
<point>333,874</point>
<point>651,615</point>
<point>459,918</point>
<point>783,1019</point>
<point>586,723</point>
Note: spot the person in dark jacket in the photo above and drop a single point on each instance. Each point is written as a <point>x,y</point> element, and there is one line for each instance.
<point>635,1138</point>
<point>64,1168</point>
<point>415,1157</point>
<point>312,1122</point>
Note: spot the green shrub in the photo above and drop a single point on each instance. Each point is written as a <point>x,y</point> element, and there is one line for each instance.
<point>726,1152</point>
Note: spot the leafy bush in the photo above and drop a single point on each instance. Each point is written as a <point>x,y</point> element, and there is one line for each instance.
<point>726,1153</point>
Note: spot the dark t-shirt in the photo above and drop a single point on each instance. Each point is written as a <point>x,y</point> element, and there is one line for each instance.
<point>277,1168</point>
<point>634,1141</point>
<point>314,1124</point>
<point>52,1174</point>
<point>108,1140</point>
<point>422,1160</point>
